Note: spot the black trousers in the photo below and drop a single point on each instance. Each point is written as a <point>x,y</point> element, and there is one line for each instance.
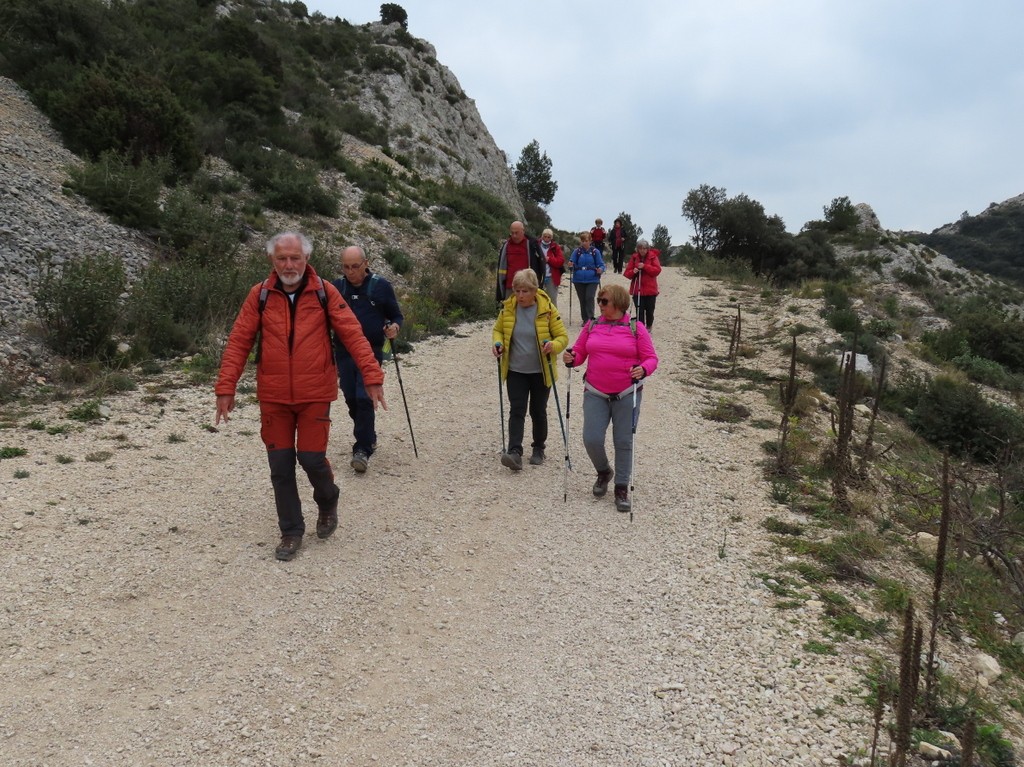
<point>645,309</point>
<point>618,255</point>
<point>527,390</point>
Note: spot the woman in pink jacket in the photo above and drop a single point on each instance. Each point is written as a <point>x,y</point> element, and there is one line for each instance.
<point>642,272</point>
<point>619,354</point>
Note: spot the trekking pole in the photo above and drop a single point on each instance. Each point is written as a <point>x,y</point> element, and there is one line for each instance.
<point>568,394</point>
<point>572,289</point>
<point>565,434</point>
<point>501,403</point>
<point>401,386</point>
<point>632,453</point>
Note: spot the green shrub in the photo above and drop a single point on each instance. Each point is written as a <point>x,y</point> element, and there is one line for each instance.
<point>956,416</point>
<point>175,306</point>
<point>285,184</point>
<point>881,328</point>
<point>984,371</point>
<point>115,107</point>
<point>87,411</point>
<point>844,320</point>
<point>375,205</point>
<point>12,452</point>
<point>79,305</point>
<point>398,259</point>
<point>199,232</point>
<point>127,192</point>
<point>947,343</point>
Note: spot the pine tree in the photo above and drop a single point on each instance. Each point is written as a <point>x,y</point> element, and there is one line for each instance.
<point>533,176</point>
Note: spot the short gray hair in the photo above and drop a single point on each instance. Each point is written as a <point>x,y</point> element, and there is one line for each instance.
<point>645,243</point>
<point>304,242</point>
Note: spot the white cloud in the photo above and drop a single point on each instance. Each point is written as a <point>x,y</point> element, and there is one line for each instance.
<point>915,108</point>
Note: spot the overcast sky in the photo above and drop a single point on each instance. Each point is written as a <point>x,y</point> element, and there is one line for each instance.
<point>915,107</point>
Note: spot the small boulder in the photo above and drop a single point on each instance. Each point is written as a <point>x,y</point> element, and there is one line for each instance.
<point>927,544</point>
<point>987,667</point>
<point>928,751</point>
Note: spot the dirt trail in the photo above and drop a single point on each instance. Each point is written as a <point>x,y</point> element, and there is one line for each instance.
<point>462,614</point>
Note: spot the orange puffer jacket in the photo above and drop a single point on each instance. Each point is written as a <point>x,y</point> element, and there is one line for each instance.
<point>296,363</point>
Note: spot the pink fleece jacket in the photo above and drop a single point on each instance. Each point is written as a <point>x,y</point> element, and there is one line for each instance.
<point>613,351</point>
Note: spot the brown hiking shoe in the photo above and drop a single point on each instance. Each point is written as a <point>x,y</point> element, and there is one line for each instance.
<point>622,502</point>
<point>287,548</point>
<point>327,522</point>
<point>601,485</point>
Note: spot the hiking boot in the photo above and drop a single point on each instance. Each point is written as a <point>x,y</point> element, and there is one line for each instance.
<point>287,548</point>
<point>622,502</point>
<point>513,460</point>
<point>327,522</point>
<point>360,460</point>
<point>601,485</point>
<point>537,457</point>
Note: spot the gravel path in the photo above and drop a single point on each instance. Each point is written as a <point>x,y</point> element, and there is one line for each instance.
<point>462,615</point>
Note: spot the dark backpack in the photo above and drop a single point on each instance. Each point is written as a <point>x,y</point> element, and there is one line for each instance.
<point>370,289</point>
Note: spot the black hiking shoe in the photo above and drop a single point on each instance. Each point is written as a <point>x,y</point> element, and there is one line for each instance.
<point>288,547</point>
<point>513,460</point>
<point>360,460</point>
<point>601,485</point>
<point>537,457</point>
<point>622,502</point>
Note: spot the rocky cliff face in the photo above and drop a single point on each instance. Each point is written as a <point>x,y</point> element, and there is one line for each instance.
<point>433,121</point>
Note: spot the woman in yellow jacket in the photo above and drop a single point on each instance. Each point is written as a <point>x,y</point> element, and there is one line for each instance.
<point>528,335</point>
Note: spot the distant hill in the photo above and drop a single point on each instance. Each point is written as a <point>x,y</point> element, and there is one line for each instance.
<point>991,242</point>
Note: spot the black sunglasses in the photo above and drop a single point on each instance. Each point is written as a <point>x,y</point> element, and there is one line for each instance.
<point>603,301</point>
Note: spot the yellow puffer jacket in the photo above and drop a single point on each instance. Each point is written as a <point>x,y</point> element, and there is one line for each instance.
<point>549,328</point>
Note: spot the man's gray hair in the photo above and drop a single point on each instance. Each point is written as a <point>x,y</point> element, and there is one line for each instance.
<point>304,242</point>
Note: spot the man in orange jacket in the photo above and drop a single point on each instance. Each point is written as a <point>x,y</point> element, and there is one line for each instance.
<point>292,313</point>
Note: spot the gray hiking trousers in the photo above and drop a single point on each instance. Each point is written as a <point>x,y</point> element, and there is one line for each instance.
<point>598,412</point>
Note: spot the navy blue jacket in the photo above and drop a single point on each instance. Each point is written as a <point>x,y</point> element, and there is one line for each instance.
<point>372,311</point>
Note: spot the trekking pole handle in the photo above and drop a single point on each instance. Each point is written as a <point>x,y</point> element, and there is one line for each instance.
<point>572,363</point>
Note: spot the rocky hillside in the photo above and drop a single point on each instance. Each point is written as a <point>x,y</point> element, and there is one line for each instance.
<point>434,131</point>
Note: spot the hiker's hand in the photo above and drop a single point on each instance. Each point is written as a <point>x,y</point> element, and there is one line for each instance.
<point>569,357</point>
<point>637,372</point>
<point>548,347</point>
<point>391,330</point>
<point>497,349</point>
<point>376,394</point>
<point>225,404</point>
<point>640,267</point>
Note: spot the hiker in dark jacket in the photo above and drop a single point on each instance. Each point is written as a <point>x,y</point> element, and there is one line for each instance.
<point>373,301</point>
<point>617,240</point>
<point>517,252</point>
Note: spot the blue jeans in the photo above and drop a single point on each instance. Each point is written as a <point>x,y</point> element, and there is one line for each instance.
<point>360,406</point>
